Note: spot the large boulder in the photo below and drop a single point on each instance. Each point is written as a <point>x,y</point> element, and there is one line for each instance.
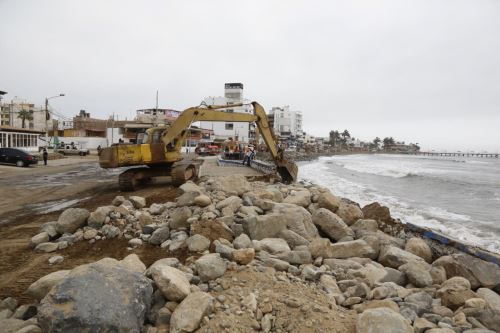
<point>329,201</point>
<point>243,256</point>
<point>189,186</point>
<point>257,197</point>
<point>298,219</point>
<point>210,267</point>
<point>418,273</point>
<point>455,268</point>
<point>13,325</point>
<point>487,273</point>
<point>188,314</point>
<point>133,263</point>
<point>198,243</point>
<point>492,298</point>
<point>173,283</point>
<point>299,198</point>
<point>382,320</point>
<point>357,248</point>
<point>242,242</point>
<point>159,236</point>
<point>187,199</point>
<point>229,205</point>
<point>179,217</point>
<point>420,248</point>
<point>235,184</point>
<point>265,226</point>
<point>42,286</point>
<point>349,213</point>
<point>98,217</point>
<point>137,201</point>
<point>454,292</point>
<point>212,229</point>
<point>72,219</point>
<point>292,238</point>
<point>40,238</point>
<point>97,297</point>
<point>321,247</point>
<point>331,224</point>
<point>158,264</point>
<point>394,257</point>
<point>273,245</point>
<point>362,227</point>
<point>377,212</point>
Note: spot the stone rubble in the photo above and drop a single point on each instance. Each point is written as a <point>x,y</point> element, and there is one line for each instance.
<point>356,257</point>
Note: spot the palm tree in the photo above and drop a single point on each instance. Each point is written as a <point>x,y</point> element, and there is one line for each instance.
<point>334,137</point>
<point>25,115</point>
<point>345,134</point>
<point>376,142</point>
<point>388,141</point>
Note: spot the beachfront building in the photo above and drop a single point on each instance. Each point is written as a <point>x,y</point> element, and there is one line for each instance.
<point>24,138</point>
<point>286,123</point>
<point>233,94</point>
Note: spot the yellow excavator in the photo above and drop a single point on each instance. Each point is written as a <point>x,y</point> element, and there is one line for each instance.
<point>158,152</point>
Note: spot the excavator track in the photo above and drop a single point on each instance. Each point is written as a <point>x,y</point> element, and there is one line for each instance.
<point>181,173</point>
<point>131,178</point>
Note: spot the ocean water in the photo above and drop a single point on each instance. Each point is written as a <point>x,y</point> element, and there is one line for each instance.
<point>458,196</point>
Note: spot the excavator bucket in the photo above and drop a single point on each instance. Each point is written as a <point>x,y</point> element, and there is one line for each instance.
<point>288,171</point>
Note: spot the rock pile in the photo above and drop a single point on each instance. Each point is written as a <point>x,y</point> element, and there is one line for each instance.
<point>303,234</point>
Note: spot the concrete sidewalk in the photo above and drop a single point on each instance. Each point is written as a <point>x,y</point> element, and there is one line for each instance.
<point>210,168</point>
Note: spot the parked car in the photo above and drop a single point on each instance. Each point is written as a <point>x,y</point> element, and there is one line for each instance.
<point>16,156</point>
<point>71,150</point>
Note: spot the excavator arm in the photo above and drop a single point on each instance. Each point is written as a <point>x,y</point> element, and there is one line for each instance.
<point>177,132</point>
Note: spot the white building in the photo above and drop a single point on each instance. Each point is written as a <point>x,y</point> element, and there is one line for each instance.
<point>233,94</point>
<point>286,123</point>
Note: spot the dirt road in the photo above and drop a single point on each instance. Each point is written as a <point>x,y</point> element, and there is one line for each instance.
<point>32,196</point>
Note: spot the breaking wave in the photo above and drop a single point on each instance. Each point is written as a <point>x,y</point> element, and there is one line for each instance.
<point>355,187</point>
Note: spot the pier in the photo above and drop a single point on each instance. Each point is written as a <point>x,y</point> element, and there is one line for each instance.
<point>458,154</point>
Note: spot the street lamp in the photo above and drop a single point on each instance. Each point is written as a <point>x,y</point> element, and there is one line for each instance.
<point>47,115</point>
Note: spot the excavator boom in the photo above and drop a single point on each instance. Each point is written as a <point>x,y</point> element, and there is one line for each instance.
<point>159,154</point>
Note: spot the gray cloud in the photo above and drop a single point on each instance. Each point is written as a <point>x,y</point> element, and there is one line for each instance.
<point>423,71</point>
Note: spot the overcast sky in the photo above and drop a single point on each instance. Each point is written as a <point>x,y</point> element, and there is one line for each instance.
<point>424,71</point>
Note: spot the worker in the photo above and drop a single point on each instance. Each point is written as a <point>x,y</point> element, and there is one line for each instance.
<point>245,154</point>
<point>45,156</point>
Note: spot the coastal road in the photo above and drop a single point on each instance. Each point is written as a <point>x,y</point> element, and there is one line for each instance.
<point>43,189</point>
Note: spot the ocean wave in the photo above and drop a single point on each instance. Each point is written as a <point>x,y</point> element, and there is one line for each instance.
<point>458,226</point>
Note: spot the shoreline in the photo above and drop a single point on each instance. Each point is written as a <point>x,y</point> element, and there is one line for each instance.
<point>437,233</point>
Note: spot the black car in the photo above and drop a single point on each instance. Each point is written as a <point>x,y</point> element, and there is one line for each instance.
<point>16,156</point>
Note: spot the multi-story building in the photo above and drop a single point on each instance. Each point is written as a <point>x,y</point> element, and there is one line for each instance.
<point>22,114</point>
<point>286,124</point>
<point>233,94</point>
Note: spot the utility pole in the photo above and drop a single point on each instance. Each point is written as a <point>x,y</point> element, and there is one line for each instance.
<point>113,129</point>
<point>157,102</point>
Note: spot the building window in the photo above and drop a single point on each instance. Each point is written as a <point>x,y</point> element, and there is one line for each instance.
<point>229,126</point>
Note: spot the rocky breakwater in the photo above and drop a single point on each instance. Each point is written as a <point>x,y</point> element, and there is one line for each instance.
<point>265,257</point>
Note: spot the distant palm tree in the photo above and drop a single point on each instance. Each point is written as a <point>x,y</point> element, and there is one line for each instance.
<point>346,134</point>
<point>25,115</point>
<point>334,137</point>
<point>376,142</point>
<point>388,141</point>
